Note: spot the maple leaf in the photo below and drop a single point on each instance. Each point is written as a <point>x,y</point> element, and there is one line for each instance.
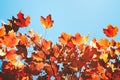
<point>33,68</point>
<point>2,32</point>
<point>100,68</point>
<point>104,56</point>
<point>12,57</point>
<point>88,53</point>
<point>104,77</point>
<point>56,50</point>
<point>10,40</point>
<point>23,39</point>
<point>39,65</point>
<point>64,38</point>
<point>23,22</point>
<point>95,77</point>
<point>46,45</point>
<point>17,64</point>
<point>70,44</point>
<point>77,39</point>
<point>111,31</point>
<point>46,22</point>
<point>51,70</point>
<point>103,44</point>
<point>85,38</point>
<point>7,65</point>
<point>36,38</point>
<point>38,56</point>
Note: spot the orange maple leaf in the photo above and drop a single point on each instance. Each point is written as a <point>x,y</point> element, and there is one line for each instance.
<point>103,44</point>
<point>11,55</point>
<point>64,38</point>
<point>77,39</point>
<point>2,31</point>
<point>111,31</point>
<point>46,45</point>
<point>23,39</point>
<point>10,40</point>
<point>46,22</point>
<point>36,38</point>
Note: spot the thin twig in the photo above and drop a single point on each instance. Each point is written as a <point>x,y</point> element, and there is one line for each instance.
<point>44,53</point>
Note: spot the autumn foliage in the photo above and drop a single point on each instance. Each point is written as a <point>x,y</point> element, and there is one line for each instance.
<point>73,57</point>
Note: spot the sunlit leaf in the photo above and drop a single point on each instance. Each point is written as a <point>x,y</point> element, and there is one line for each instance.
<point>104,56</point>
<point>95,77</point>
<point>103,44</point>
<point>23,39</point>
<point>111,31</point>
<point>111,66</point>
<point>56,50</point>
<point>64,38</point>
<point>23,56</point>
<point>10,40</point>
<point>36,38</point>
<point>38,56</point>
<point>93,43</point>
<point>11,55</point>
<point>2,31</point>
<point>17,64</point>
<point>104,77</point>
<point>46,22</point>
<point>88,53</point>
<point>51,70</point>
<point>100,68</point>
<point>46,45</point>
<point>77,39</point>
<point>85,38</point>
<point>39,66</point>
<point>70,44</point>
<point>23,22</point>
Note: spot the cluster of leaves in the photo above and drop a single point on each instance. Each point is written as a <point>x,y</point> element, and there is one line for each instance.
<point>72,58</point>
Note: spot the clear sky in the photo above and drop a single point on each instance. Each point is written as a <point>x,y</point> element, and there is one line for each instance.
<point>70,16</point>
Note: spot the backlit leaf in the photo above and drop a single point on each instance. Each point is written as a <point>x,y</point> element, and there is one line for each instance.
<point>23,22</point>
<point>46,45</point>
<point>10,40</point>
<point>23,39</point>
<point>77,39</point>
<point>64,38</point>
<point>2,31</point>
<point>103,44</point>
<point>111,31</point>
<point>104,56</point>
<point>46,22</point>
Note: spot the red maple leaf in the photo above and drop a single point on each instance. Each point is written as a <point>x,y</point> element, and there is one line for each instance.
<point>23,22</point>
<point>111,31</point>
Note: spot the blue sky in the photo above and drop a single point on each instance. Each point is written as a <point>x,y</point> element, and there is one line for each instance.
<point>70,16</point>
